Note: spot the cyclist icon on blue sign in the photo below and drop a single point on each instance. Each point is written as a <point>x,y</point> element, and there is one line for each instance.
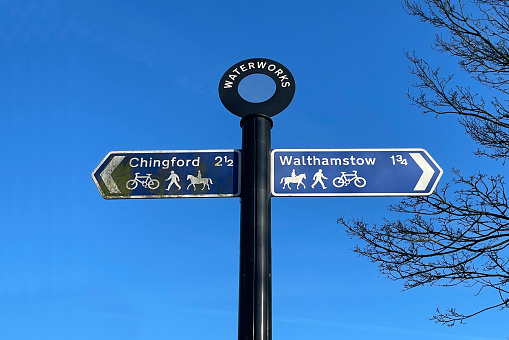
<point>146,181</point>
<point>345,179</point>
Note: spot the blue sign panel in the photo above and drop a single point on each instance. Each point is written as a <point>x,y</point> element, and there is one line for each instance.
<point>357,172</point>
<point>169,174</point>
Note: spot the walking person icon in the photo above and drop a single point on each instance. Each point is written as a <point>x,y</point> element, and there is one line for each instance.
<point>174,178</point>
<point>319,177</point>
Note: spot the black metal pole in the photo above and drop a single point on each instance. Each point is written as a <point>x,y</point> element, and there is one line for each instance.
<point>255,282</point>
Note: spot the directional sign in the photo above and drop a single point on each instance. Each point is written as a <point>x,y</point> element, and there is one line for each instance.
<point>357,172</point>
<point>169,174</point>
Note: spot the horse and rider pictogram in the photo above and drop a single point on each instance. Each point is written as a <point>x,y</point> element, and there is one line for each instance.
<point>199,180</point>
<point>293,179</point>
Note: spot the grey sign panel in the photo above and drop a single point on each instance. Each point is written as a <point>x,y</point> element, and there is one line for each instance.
<point>353,172</point>
<point>169,174</point>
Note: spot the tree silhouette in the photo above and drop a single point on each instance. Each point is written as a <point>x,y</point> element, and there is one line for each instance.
<point>458,235</point>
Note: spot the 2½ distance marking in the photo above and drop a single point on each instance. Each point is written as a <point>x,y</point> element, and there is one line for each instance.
<point>218,161</point>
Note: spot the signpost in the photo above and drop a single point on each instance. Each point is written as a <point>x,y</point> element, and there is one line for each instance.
<point>263,174</point>
<point>255,277</point>
<point>169,174</point>
<point>353,172</point>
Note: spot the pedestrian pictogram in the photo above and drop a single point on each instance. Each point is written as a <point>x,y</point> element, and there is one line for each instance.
<point>174,179</point>
<point>318,178</point>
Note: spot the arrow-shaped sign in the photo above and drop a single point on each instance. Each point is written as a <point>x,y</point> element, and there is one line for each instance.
<point>353,172</point>
<point>169,174</point>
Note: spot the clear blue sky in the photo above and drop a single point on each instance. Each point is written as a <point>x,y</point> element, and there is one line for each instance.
<point>81,78</point>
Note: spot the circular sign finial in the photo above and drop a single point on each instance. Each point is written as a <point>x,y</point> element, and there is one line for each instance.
<point>233,101</point>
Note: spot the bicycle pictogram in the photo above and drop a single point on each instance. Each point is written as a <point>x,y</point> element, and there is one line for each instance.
<point>346,179</point>
<point>146,181</point>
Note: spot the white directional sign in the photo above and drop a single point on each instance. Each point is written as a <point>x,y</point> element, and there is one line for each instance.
<point>169,174</point>
<point>356,172</point>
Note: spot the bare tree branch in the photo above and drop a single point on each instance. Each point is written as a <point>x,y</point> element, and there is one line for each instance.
<point>459,235</point>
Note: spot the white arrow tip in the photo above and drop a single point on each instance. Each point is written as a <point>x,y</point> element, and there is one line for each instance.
<point>427,172</point>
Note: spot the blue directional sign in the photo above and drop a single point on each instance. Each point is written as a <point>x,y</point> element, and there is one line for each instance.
<point>357,172</point>
<point>169,174</point>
